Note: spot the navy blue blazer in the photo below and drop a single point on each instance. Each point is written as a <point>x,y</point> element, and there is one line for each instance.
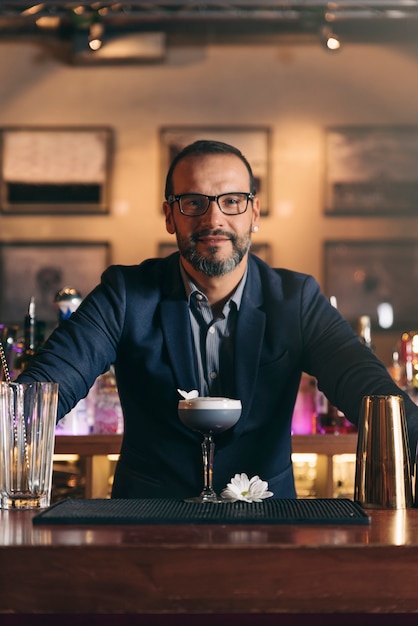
<point>138,319</point>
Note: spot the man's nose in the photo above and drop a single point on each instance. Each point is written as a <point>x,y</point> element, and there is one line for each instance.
<point>214,214</point>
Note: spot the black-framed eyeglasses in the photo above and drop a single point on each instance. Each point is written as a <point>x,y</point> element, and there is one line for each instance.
<point>194,204</point>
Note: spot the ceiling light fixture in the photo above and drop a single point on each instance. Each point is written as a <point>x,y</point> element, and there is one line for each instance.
<point>95,39</point>
<point>34,9</point>
<point>330,39</point>
<point>48,22</point>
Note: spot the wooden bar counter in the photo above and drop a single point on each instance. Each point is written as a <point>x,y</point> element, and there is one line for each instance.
<point>183,570</point>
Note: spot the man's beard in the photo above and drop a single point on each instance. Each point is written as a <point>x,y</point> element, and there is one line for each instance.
<point>209,265</point>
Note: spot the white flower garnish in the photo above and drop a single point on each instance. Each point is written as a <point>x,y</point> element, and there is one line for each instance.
<point>188,395</point>
<point>249,490</point>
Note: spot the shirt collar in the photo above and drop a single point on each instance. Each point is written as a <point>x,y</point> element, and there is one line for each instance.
<point>191,288</point>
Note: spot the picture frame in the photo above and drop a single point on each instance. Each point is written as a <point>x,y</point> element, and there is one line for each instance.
<point>253,141</point>
<point>262,250</point>
<point>165,248</point>
<point>373,278</point>
<point>41,269</point>
<point>371,171</point>
<point>55,170</point>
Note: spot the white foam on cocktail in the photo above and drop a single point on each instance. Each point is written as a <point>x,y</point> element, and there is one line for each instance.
<point>209,403</point>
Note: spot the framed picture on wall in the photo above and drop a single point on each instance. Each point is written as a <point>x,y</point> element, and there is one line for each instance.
<point>262,250</point>
<point>375,278</point>
<point>40,269</point>
<point>254,143</point>
<point>371,171</point>
<point>57,170</point>
<point>165,248</point>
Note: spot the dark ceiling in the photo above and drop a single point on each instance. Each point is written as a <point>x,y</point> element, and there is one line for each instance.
<point>230,21</point>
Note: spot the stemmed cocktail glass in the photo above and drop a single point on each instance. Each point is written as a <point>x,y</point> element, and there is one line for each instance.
<point>208,416</point>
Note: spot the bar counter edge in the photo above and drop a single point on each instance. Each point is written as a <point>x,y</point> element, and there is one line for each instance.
<point>257,570</point>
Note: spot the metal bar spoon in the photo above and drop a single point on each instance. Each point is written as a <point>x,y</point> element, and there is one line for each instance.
<point>8,381</point>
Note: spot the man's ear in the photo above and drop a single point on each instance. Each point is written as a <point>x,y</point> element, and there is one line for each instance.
<point>256,212</point>
<point>169,222</point>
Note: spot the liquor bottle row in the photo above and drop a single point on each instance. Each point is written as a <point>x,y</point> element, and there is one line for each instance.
<point>404,368</point>
<point>314,413</point>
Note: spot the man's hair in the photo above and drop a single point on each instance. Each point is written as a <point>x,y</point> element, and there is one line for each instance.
<point>202,147</point>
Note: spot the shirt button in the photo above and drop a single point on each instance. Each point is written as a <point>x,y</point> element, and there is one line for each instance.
<point>211,330</point>
<point>213,375</point>
<point>199,297</point>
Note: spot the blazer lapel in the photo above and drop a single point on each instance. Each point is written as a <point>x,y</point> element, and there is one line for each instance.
<point>248,343</point>
<point>176,329</point>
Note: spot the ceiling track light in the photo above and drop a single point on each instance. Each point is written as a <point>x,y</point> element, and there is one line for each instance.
<point>329,39</point>
<point>33,9</point>
<point>95,38</point>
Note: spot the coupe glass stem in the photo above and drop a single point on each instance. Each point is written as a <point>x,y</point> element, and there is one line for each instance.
<point>208,450</point>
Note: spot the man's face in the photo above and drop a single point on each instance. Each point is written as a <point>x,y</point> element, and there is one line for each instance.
<point>212,243</point>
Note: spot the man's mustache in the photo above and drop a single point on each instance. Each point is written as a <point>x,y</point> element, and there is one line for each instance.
<point>213,233</point>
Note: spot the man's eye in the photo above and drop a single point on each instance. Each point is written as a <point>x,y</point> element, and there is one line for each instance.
<point>230,200</point>
<point>192,204</point>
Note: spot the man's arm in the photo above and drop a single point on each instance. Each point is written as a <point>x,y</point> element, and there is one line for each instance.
<point>346,370</point>
<point>84,346</point>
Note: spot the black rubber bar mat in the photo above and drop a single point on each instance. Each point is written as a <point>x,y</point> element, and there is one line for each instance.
<point>158,511</point>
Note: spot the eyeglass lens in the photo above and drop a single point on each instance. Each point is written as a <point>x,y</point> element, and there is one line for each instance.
<point>229,203</point>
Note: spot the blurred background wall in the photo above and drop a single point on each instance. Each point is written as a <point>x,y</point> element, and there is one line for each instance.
<point>296,89</point>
